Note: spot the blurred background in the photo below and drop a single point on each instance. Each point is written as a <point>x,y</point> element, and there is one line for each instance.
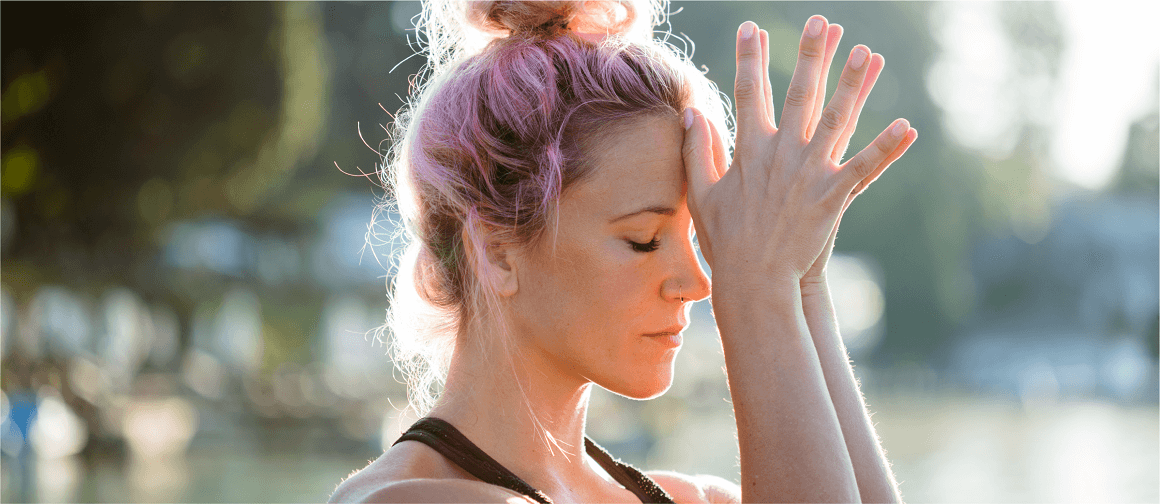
<point>188,301</point>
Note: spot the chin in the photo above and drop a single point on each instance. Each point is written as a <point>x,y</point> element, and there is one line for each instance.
<point>635,387</point>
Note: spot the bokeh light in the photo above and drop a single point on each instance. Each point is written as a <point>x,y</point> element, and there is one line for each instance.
<point>193,285</point>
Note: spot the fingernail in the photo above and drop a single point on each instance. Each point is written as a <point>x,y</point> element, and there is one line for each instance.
<point>747,29</point>
<point>815,26</point>
<point>688,118</point>
<point>900,127</point>
<point>857,58</point>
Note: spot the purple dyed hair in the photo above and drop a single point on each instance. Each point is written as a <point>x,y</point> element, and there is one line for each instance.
<point>494,139</point>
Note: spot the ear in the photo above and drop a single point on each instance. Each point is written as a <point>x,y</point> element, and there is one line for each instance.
<point>501,260</point>
<point>499,267</point>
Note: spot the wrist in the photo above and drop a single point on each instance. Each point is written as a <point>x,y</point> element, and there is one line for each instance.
<point>751,313</point>
<point>780,289</point>
<point>815,286</point>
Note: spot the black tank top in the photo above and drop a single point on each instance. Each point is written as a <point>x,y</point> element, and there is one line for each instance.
<point>448,441</point>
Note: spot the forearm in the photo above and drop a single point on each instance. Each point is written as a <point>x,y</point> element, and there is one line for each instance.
<point>875,481</point>
<point>790,438</point>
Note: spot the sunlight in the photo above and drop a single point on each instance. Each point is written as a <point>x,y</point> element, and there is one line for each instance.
<point>1107,81</point>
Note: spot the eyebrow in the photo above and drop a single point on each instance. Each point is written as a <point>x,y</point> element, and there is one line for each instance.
<point>657,209</point>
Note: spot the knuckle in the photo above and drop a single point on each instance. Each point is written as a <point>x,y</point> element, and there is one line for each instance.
<point>689,149</point>
<point>856,167</point>
<point>862,167</point>
<point>810,51</point>
<point>747,53</point>
<point>797,95</point>
<point>884,148</point>
<point>851,80</point>
<point>745,88</point>
<point>832,119</point>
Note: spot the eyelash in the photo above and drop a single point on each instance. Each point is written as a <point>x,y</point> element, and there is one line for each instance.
<point>645,247</point>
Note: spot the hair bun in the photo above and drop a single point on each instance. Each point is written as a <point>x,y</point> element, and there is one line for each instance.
<point>450,30</point>
<point>549,18</point>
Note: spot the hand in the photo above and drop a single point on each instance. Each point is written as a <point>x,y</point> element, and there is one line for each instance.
<point>816,275</point>
<point>775,211</point>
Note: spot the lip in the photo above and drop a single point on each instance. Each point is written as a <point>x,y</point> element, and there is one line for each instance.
<point>667,332</point>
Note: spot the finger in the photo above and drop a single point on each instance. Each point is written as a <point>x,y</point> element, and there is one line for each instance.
<point>863,164</point>
<point>720,160</point>
<point>833,36</point>
<point>836,116</point>
<point>872,73</point>
<point>747,88</point>
<point>697,154</point>
<point>767,89</point>
<point>907,141</point>
<point>799,98</point>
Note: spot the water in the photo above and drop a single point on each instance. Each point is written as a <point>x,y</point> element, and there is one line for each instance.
<point>944,448</point>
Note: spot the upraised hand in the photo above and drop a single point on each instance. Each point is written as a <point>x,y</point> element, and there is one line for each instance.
<point>775,210</point>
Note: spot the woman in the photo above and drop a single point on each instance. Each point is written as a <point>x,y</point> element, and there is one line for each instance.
<point>551,182</point>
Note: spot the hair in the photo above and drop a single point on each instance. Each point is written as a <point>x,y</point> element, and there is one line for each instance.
<point>515,100</point>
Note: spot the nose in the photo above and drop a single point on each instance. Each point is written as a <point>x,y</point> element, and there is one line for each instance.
<point>687,281</point>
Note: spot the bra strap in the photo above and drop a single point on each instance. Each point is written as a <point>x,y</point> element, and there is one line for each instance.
<point>631,478</point>
<point>448,441</point>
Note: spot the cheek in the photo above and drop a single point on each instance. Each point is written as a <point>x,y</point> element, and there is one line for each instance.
<point>594,286</point>
<point>616,281</point>
<point>594,276</point>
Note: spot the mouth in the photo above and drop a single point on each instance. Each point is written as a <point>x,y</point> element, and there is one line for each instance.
<point>669,339</point>
<point>668,332</point>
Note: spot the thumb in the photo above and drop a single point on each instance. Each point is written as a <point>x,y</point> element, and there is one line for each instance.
<point>697,153</point>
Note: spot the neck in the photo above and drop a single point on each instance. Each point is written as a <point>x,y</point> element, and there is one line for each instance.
<point>520,411</point>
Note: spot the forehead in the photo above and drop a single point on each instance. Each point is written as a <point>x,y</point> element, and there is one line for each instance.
<point>638,165</point>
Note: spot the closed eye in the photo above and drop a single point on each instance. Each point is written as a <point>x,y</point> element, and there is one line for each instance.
<point>645,247</point>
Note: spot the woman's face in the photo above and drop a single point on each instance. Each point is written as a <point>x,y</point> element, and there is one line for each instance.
<point>618,268</point>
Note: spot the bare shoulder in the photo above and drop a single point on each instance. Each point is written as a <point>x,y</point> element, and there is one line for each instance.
<point>412,472</point>
<point>442,490</point>
<point>702,488</point>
